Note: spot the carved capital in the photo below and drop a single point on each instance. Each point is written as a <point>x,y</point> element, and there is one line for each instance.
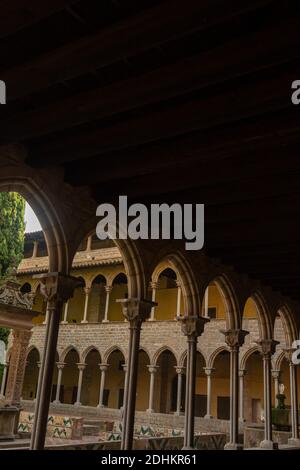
<point>153,285</point>
<point>152,369</point>
<point>192,325</point>
<point>108,289</point>
<point>234,338</point>
<point>179,369</point>
<point>242,372</point>
<point>208,370</point>
<point>103,367</point>
<point>275,373</point>
<point>81,365</point>
<point>60,365</point>
<point>56,286</point>
<point>136,310</point>
<point>267,347</point>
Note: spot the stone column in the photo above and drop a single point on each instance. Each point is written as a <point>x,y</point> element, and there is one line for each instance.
<point>276,375</point>
<point>267,348</point>
<point>153,286</point>
<point>294,440</point>
<point>45,322</point>
<point>242,373</point>
<point>87,291</point>
<point>108,290</point>
<point>60,366</point>
<point>81,367</point>
<point>17,365</point>
<point>56,289</point>
<point>179,371</point>
<point>135,312</point>
<point>152,370</point>
<point>206,303</point>
<point>35,248</point>
<point>3,380</point>
<point>178,305</point>
<point>208,371</point>
<point>89,243</point>
<point>234,339</point>
<point>103,369</point>
<point>192,327</point>
<point>65,321</point>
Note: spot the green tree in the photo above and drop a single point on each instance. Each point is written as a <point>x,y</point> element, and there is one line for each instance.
<point>12,228</point>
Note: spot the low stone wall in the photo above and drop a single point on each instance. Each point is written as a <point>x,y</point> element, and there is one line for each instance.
<point>253,435</point>
<point>63,427</point>
<point>202,442</point>
<point>141,417</point>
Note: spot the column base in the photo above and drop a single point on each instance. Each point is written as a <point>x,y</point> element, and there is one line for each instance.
<point>242,420</point>
<point>105,321</point>
<point>100,406</point>
<point>233,446</point>
<point>208,416</point>
<point>149,411</point>
<point>56,402</point>
<point>84,321</point>
<point>63,322</point>
<point>77,403</point>
<point>268,445</point>
<point>178,413</point>
<point>188,448</point>
<point>294,441</point>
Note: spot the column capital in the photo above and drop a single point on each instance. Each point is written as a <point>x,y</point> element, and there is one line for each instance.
<point>81,365</point>
<point>192,325</point>
<point>178,283</point>
<point>108,289</point>
<point>234,338</point>
<point>179,369</point>
<point>136,310</point>
<point>60,365</point>
<point>103,367</point>
<point>209,370</point>
<point>57,286</point>
<point>275,373</point>
<point>124,367</point>
<point>87,290</point>
<point>267,347</point>
<point>152,369</point>
<point>153,284</point>
<point>242,372</point>
<point>288,354</point>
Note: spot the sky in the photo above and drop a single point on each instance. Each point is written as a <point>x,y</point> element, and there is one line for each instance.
<point>32,223</point>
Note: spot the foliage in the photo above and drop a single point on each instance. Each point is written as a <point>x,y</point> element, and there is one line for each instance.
<point>12,228</point>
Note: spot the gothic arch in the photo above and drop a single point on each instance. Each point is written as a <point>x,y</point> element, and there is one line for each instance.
<point>109,351</point>
<point>214,354</point>
<point>158,353</point>
<point>87,351</point>
<point>63,355</point>
<point>246,355</point>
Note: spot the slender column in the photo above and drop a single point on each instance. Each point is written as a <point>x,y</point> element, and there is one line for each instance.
<point>45,322</point>
<point>208,371</point>
<point>267,349</point>
<point>87,291</point>
<point>206,302</point>
<point>57,289</point>
<point>242,373</point>
<point>234,339</point>
<point>178,298</point>
<point>39,369</point>
<point>135,312</point>
<point>108,290</point>
<point>179,372</point>
<point>152,370</point>
<point>276,376</point>
<point>103,369</point>
<point>192,327</point>
<point>4,375</point>
<point>89,243</point>
<point>294,440</point>
<point>81,367</point>
<point>60,366</point>
<point>35,248</point>
<point>65,321</point>
<point>153,286</point>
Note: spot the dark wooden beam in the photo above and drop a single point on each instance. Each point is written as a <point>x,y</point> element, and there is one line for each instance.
<point>253,98</point>
<point>19,14</point>
<point>259,51</point>
<point>124,39</point>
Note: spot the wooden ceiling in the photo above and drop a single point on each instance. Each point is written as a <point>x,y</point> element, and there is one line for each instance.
<point>168,101</point>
